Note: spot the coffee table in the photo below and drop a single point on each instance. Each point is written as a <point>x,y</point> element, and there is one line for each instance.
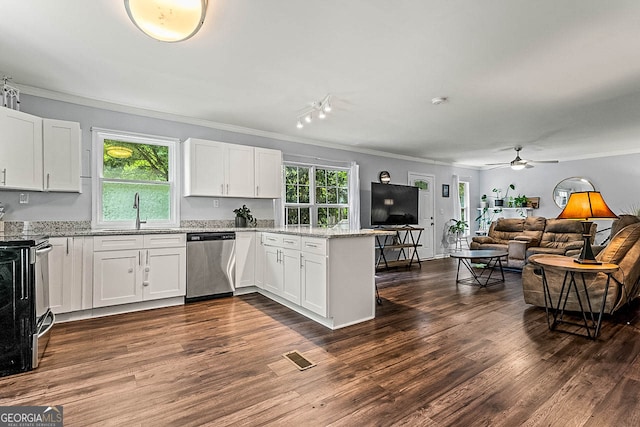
<point>494,259</point>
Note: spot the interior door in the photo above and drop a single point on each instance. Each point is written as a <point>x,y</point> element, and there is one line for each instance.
<point>426,212</point>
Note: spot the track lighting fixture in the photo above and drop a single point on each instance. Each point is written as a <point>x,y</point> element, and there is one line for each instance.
<point>320,109</point>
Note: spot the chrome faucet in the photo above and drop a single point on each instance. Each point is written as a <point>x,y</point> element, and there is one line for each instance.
<point>136,206</point>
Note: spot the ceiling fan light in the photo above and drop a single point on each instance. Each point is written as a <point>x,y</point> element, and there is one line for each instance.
<point>167,20</point>
<point>516,166</point>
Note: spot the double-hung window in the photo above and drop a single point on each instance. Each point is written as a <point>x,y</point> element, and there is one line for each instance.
<point>126,164</point>
<point>316,196</point>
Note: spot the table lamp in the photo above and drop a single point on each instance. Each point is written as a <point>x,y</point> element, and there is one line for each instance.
<point>586,206</point>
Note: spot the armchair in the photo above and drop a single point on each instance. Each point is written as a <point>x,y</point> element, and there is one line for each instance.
<point>624,250</point>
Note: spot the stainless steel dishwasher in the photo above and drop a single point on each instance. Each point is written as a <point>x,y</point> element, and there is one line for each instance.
<point>210,265</point>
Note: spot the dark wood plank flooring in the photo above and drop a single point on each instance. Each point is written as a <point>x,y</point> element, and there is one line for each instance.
<point>437,354</point>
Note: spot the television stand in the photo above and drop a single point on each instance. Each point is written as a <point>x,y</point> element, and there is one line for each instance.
<point>399,249</point>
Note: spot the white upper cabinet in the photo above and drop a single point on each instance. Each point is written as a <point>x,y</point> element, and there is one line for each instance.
<point>219,169</point>
<point>239,170</point>
<point>39,154</point>
<point>203,168</point>
<point>20,150</point>
<point>61,141</point>
<point>268,173</point>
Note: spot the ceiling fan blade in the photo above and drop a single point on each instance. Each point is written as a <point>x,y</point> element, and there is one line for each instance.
<point>542,161</point>
<point>498,164</point>
<point>528,166</point>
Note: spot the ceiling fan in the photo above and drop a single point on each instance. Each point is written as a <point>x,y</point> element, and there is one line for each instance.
<point>518,163</point>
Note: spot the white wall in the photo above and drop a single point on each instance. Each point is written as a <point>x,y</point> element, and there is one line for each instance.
<point>60,206</point>
<point>616,177</point>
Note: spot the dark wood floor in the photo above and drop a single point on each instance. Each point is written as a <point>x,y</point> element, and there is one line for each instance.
<point>436,354</point>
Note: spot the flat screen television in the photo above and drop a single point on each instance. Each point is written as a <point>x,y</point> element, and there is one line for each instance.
<point>393,204</point>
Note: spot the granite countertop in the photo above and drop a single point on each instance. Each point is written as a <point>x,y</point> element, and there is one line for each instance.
<point>83,228</point>
<point>313,232</point>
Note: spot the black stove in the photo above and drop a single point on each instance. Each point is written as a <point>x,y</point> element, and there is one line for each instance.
<point>25,314</point>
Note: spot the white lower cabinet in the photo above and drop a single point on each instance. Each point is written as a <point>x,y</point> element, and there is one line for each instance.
<point>148,272</point>
<point>295,274</point>
<point>273,276</point>
<point>66,285</point>
<point>245,259</point>
<point>117,277</point>
<point>314,283</point>
<point>290,260</point>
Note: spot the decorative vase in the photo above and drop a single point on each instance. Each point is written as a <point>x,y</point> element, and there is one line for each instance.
<point>241,222</point>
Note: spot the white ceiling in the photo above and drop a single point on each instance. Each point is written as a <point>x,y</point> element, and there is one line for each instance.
<point>560,78</point>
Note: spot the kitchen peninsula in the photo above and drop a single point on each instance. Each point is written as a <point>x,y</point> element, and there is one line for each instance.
<point>324,274</point>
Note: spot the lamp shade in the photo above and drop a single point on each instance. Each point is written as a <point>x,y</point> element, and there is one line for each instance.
<point>586,205</point>
<point>167,20</point>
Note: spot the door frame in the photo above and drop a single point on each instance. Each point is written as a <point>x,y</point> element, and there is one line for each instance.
<point>412,176</point>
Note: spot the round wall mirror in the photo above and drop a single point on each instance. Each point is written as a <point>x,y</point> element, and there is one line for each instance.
<point>567,186</point>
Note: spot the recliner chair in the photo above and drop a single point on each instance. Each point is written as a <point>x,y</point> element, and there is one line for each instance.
<point>624,250</point>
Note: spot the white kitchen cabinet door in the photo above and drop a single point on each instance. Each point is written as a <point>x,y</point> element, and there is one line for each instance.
<point>268,173</point>
<point>164,273</point>
<point>117,277</point>
<point>291,275</point>
<point>273,271</point>
<point>20,150</point>
<point>61,275</point>
<point>62,148</point>
<point>239,169</point>
<point>245,259</point>
<point>314,283</point>
<point>204,163</point>
<point>259,257</point>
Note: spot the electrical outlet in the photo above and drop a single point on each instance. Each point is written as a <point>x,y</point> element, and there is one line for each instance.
<point>216,203</point>
<point>24,198</point>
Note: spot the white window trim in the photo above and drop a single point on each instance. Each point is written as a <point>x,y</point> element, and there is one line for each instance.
<point>98,136</point>
<point>312,205</point>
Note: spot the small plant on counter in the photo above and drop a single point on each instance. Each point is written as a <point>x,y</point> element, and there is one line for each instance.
<point>520,201</point>
<point>244,217</point>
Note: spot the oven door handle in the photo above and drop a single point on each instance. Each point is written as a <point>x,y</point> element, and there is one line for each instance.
<point>45,250</point>
<point>48,328</point>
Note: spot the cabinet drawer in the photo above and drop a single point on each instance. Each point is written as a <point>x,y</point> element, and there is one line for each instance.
<point>291,242</point>
<point>272,239</point>
<point>314,246</point>
<point>108,243</point>
<point>164,240</point>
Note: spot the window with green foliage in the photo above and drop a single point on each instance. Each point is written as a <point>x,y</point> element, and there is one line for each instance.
<point>130,164</point>
<point>316,196</point>
<point>463,188</point>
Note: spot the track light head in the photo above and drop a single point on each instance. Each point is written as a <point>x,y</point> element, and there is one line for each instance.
<point>321,114</point>
<point>299,125</point>
<point>307,118</point>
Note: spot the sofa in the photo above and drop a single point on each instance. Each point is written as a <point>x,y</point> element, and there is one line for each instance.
<point>523,237</point>
<point>624,250</point>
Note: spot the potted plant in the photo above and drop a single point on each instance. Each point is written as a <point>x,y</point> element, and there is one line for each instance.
<point>483,201</point>
<point>499,202</point>
<point>520,201</point>
<point>244,217</point>
<point>458,227</point>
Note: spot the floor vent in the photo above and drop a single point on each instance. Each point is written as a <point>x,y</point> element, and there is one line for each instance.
<point>299,360</point>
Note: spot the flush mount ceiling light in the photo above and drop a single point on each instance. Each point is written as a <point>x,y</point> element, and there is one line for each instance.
<point>319,109</point>
<point>167,20</point>
<point>118,152</point>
